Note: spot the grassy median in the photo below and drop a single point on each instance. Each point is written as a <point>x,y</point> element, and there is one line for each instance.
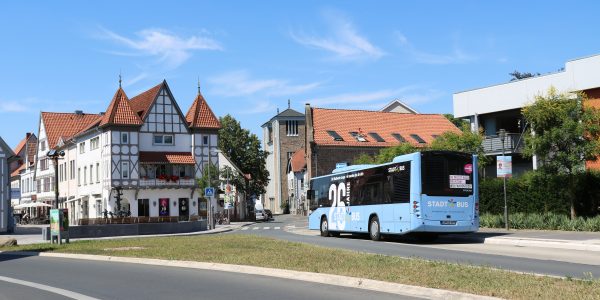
<point>266,252</point>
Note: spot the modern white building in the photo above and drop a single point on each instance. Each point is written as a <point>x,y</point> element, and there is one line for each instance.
<point>140,158</point>
<point>6,157</point>
<point>20,183</point>
<point>499,106</point>
<point>297,182</point>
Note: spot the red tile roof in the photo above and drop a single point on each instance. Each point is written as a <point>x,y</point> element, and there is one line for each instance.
<point>383,123</point>
<point>142,102</point>
<point>119,112</point>
<point>16,171</point>
<point>183,158</point>
<point>20,145</point>
<point>200,115</point>
<point>65,125</point>
<point>298,160</point>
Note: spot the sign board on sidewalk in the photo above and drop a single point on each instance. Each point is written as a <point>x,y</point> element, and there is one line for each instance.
<point>209,192</point>
<point>504,166</point>
<point>59,225</point>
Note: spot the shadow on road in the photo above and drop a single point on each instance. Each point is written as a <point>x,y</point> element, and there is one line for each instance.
<point>420,239</point>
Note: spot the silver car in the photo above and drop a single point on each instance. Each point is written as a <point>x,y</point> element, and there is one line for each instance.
<point>260,215</point>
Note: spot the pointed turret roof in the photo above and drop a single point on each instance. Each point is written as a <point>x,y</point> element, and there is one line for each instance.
<point>200,115</point>
<point>119,112</point>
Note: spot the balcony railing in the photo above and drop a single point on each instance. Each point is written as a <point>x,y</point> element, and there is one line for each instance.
<point>180,182</point>
<point>513,143</point>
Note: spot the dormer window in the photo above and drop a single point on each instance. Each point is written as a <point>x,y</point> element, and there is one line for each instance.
<point>359,137</point>
<point>376,137</point>
<point>335,136</point>
<point>399,137</point>
<point>418,138</point>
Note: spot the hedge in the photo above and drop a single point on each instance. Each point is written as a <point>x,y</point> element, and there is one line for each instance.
<point>537,193</point>
<point>547,221</point>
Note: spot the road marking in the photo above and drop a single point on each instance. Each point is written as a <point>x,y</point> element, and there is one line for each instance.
<point>245,228</point>
<point>276,228</point>
<point>51,289</point>
<point>255,228</point>
<point>266,227</point>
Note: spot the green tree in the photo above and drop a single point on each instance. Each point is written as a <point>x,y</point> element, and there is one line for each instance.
<point>244,150</point>
<point>565,134</point>
<point>516,75</point>
<point>209,178</point>
<point>386,154</point>
<point>466,141</point>
<point>460,123</point>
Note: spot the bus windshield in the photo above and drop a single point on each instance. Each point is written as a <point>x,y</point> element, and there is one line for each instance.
<point>447,173</point>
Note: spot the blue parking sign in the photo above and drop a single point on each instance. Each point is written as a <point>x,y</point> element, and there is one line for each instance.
<point>209,192</point>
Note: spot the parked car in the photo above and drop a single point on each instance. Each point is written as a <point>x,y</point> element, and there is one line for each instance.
<point>269,214</point>
<point>260,215</point>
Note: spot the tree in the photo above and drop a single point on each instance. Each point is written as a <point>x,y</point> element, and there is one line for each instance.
<point>466,141</point>
<point>516,75</point>
<point>460,123</point>
<point>565,134</point>
<point>386,154</point>
<point>210,178</point>
<point>244,150</point>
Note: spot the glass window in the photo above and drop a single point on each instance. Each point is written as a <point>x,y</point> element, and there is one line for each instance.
<point>418,138</point>
<point>205,140</point>
<point>168,140</point>
<point>124,137</point>
<point>291,128</point>
<point>376,137</point>
<point>335,135</point>
<point>399,137</point>
<point>124,169</point>
<point>447,173</point>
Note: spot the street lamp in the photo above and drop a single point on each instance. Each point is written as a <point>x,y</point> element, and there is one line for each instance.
<point>502,135</point>
<point>55,156</point>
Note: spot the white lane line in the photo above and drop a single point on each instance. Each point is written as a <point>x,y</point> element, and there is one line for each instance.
<point>245,228</point>
<point>255,228</point>
<point>266,227</point>
<point>277,228</point>
<point>51,289</point>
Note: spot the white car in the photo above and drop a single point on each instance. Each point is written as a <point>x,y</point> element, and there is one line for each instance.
<point>260,215</point>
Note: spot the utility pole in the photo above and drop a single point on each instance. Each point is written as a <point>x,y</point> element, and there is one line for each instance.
<point>55,156</point>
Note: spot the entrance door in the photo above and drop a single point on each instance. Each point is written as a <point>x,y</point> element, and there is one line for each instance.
<point>143,208</point>
<point>184,209</point>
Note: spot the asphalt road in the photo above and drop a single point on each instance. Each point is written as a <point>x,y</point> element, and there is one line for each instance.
<point>564,263</point>
<point>108,280</point>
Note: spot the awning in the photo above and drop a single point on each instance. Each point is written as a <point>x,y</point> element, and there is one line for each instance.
<point>180,158</point>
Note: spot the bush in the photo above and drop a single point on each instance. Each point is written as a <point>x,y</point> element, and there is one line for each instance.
<point>546,221</point>
<point>537,192</point>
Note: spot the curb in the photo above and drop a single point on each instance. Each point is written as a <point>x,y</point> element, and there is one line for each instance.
<point>337,280</point>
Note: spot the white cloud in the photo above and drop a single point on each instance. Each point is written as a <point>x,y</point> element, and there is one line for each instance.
<point>345,42</point>
<point>373,99</point>
<point>456,56</point>
<point>13,106</point>
<point>135,79</point>
<point>168,47</point>
<point>239,83</point>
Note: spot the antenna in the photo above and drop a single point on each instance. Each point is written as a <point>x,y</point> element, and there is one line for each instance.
<point>289,104</point>
<point>119,78</point>
<point>198,85</point>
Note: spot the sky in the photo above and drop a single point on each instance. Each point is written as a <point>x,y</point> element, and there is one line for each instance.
<point>250,57</point>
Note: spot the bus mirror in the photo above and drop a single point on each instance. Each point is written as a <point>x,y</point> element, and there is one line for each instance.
<point>310,194</point>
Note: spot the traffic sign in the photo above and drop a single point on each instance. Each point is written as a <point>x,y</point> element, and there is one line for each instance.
<point>209,192</point>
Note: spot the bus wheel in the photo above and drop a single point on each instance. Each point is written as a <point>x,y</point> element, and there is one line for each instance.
<point>374,229</point>
<point>324,227</point>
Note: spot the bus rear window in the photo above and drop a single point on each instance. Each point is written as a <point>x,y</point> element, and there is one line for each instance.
<point>447,174</point>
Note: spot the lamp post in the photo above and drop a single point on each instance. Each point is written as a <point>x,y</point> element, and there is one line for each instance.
<point>55,156</point>
<point>502,135</point>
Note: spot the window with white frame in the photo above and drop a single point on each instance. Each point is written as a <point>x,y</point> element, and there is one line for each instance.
<point>124,137</point>
<point>84,175</point>
<point>98,208</point>
<point>78,176</point>
<point>72,166</point>
<point>97,172</point>
<point>291,128</point>
<point>205,140</point>
<point>95,143</point>
<point>82,147</point>
<point>43,145</point>
<point>124,169</point>
<point>91,174</point>
<point>163,139</point>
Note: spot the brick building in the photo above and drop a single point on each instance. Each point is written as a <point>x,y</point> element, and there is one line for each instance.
<point>283,135</point>
<point>340,136</point>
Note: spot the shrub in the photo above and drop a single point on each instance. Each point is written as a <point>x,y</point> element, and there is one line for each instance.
<point>546,221</point>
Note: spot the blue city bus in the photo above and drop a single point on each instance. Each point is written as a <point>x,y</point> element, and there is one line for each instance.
<point>426,193</point>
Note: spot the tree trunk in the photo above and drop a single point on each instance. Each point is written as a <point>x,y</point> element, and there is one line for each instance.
<point>572,196</point>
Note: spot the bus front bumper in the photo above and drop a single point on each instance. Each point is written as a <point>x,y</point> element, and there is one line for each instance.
<point>447,226</point>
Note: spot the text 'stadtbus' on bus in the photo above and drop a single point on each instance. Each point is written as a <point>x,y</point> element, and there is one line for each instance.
<point>428,192</point>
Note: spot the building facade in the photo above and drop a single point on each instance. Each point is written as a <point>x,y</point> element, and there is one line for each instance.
<point>283,135</point>
<point>499,107</point>
<point>140,158</point>
<point>297,182</point>
<point>20,183</point>
<point>7,156</point>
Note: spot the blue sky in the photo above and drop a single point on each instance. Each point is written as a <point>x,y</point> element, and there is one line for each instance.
<point>252,56</point>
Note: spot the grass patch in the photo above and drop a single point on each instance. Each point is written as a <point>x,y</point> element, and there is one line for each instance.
<point>267,252</point>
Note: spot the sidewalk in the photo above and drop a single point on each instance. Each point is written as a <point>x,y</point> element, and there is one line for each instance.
<point>32,234</point>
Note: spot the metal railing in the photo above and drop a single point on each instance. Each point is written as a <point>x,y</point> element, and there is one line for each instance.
<point>167,182</point>
<point>513,143</point>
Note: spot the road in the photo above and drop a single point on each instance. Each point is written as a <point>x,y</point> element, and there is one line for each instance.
<point>555,262</point>
<point>56,278</point>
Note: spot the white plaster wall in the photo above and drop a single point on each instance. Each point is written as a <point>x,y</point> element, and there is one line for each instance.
<point>579,74</point>
<point>183,143</point>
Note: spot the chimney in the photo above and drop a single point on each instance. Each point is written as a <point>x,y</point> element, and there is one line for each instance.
<point>27,135</point>
<point>79,112</point>
<point>101,113</point>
